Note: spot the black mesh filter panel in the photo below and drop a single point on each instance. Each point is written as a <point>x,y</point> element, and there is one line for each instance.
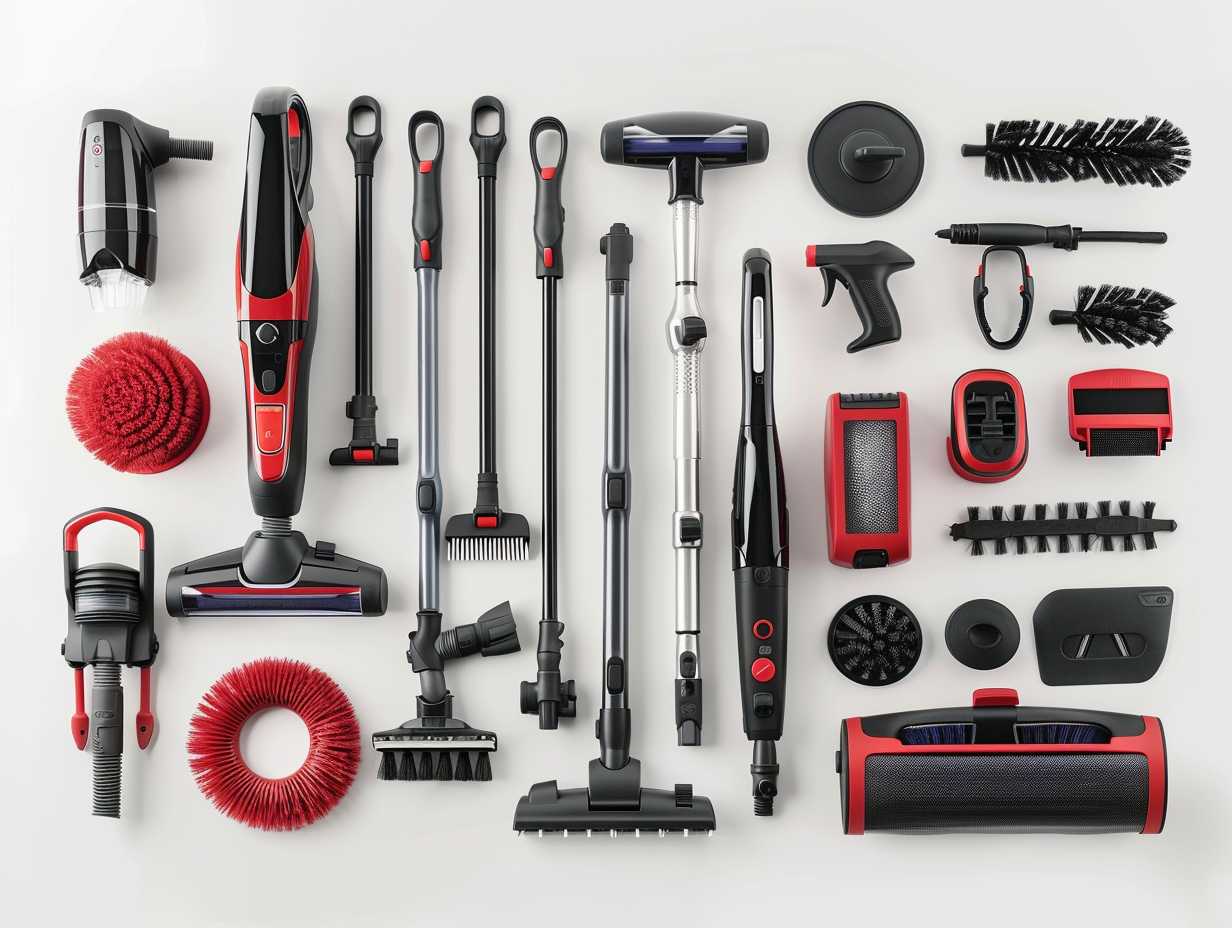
<point>1123,442</point>
<point>870,463</point>
<point>1005,793</point>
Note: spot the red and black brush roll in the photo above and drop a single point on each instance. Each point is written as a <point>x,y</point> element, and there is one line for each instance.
<point>1001,767</point>
<point>276,299</point>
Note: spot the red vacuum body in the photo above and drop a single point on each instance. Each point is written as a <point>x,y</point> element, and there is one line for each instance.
<point>988,426</point>
<point>868,479</point>
<point>1001,767</point>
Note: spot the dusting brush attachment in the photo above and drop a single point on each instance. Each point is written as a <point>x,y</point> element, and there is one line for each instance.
<point>1091,529</point>
<point>874,640</point>
<point>1118,151</point>
<point>487,534</point>
<point>138,404</point>
<point>1111,314</point>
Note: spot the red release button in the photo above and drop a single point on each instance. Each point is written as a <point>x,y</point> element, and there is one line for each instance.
<point>763,670</point>
<point>425,250</point>
<point>763,629</point>
<point>271,419</point>
<point>548,258</point>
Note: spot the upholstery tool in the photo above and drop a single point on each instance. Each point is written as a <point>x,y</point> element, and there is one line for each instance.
<point>759,538</point>
<point>548,696</point>
<point>1026,293</point>
<point>866,159</point>
<point>277,572</point>
<point>988,426</point>
<point>685,145</point>
<point>874,640</point>
<point>1119,411</point>
<point>488,533</point>
<point>982,634</point>
<point>1102,525</point>
<point>998,767</point>
<point>365,447</point>
<point>434,744</point>
<point>1067,238</point>
<point>138,404</point>
<point>110,625</point>
<point>282,803</point>
<point>868,479</point>
<point>864,270</point>
<point>1122,315</point>
<point>1118,151</point>
<point>1111,635</point>
<point>615,800</point>
<point>117,218</point>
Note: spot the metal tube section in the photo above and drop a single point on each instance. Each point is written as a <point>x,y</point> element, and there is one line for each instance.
<point>616,519</point>
<point>487,325</point>
<point>686,338</point>
<point>549,450</point>
<point>363,285</point>
<point>427,279</point>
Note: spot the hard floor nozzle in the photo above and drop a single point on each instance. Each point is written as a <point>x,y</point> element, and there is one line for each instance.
<point>615,802</point>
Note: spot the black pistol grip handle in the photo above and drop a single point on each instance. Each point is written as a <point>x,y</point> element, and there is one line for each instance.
<point>364,145</point>
<point>549,213</point>
<point>870,293</point>
<point>427,215</point>
<point>488,148</point>
<point>761,620</point>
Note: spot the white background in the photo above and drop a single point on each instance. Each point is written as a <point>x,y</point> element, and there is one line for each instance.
<point>413,852</point>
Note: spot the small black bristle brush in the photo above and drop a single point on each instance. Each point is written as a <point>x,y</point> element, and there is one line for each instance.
<point>1103,525</point>
<point>1118,151</point>
<point>1123,315</point>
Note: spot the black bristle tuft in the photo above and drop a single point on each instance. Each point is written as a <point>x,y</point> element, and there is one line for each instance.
<point>1118,151</point>
<point>973,513</point>
<point>1118,314</point>
<point>406,766</point>
<point>1148,509</point>
<point>462,771</point>
<point>1020,512</point>
<point>1107,544</point>
<point>483,767</point>
<point>1128,543</point>
<point>998,513</point>
<point>389,766</point>
<point>999,546</point>
<point>1021,544</point>
<point>1123,505</point>
<point>1148,541</point>
<point>425,765</point>
<point>977,548</point>
<point>444,767</point>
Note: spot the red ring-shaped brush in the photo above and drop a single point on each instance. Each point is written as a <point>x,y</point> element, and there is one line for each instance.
<point>138,404</point>
<point>333,744</point>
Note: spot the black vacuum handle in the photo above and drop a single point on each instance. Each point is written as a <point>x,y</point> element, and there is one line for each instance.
<point>761,624</point>
<point>427,216</point>
<point>488,148</point>
<point>549,213</point>
<point>364,145</point>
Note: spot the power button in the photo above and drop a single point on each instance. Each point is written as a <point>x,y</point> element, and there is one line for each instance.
<point>763,670</point>
<point>763,629</point>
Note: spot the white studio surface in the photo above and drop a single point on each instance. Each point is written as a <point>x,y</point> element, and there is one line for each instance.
<point>428,853</point>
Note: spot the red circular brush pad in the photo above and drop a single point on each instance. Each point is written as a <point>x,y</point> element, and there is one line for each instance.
<point>333,744</point>
<point>138,404</point>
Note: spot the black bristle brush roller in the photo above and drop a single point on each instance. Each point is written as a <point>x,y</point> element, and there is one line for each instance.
<point>1118,151</point>
<point>1111,314</point>
<point>1102,526</point>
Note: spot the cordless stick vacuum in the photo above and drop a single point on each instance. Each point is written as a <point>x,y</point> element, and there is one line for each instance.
<point>685,144</point>
<point>548,696</point>
<point>615,800</point>
<point>759,538</point>
<point>434,745</point>
<point>277,572</point>
<point>487,533</point>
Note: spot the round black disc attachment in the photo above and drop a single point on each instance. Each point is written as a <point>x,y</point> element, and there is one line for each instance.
<point>982,634</point>
<point>866,159</point>
<point>874,640</point>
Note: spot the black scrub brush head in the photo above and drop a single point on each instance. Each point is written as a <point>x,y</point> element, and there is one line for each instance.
<point>1119,151</point>
<point>874,640</point>
<point>1123,315</point>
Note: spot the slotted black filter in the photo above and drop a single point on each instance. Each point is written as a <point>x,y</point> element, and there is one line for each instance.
<point>870,463</point>
<point>1006,793</point>
<point>874,640</point>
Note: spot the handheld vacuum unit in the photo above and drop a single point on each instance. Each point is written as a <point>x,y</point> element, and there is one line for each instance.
<point>117,220</point>
<point>1001,767</point>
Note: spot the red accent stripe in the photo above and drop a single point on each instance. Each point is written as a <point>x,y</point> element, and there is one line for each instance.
<point>810,256</point>
<point>547,173</point>
<point>145,718</point>
<point>549,258</point>
<point>80,722</point>
<point>73,529</point>
<point>425,250</point>
<point>425,167</point>
<point>293,129</point>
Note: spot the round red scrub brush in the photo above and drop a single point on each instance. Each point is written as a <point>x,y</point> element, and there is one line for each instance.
<point>138,404</point>
<point>333,744</point>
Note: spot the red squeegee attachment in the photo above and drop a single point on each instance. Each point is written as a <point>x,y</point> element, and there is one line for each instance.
<point>1119,412</point>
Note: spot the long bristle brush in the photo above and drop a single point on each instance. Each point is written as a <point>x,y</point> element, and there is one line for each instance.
<point>1111,314</point>
<point>1118,151</point>
<point>1103,525</point>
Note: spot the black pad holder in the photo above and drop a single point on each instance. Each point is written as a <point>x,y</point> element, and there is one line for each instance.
<point>1110,635</point>
<point>866,159</point>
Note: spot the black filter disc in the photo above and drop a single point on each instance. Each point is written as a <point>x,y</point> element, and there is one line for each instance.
<point>874,640</point>
<point>982,634</point>
<point>850,159</point>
